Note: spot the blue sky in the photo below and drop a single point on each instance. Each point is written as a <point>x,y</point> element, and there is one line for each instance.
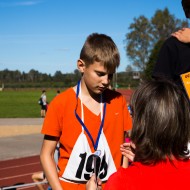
<point>47,35</point>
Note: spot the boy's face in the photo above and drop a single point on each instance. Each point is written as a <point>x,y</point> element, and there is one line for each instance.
<point>186,7</point>
<point>96,77</point>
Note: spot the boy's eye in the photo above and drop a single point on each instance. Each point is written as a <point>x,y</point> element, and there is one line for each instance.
<point>110,76</point>
<point>100,74</point>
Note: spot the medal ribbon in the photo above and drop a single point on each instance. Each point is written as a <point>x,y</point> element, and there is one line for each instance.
<point>95,144</point>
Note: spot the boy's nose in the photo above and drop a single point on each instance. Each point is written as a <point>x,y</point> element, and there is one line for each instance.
<point>105,80</point>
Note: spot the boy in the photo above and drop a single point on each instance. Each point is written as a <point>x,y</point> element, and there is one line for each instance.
<point>88,120</point>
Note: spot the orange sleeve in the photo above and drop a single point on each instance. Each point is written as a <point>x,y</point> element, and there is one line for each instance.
<point>127,117</point>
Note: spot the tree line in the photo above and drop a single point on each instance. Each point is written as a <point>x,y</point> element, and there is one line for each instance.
<point>142,44</point>
<point>36,79</point>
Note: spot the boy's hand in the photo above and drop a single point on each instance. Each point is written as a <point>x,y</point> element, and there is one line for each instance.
<point>92,185</point>
<point>182,35</point>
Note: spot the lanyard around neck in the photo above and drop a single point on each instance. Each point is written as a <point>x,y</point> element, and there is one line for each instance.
<point>81,120</point>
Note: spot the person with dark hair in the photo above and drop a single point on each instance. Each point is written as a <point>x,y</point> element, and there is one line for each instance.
<point>174,56</point>
<point>43,103</point>
<point>58,92</point>
<point>160,133</point>
<point>186,7</point>
<point>89,120</point>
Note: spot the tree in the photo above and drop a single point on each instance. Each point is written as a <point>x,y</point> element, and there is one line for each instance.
<point>152,60</point>
<point>58,76</point>
<point>17,76</point>
<point>77,75</point>
<point>129,68</point>
<point>144,34</point>
<point>138,42</point>
<point>163,24</point>
<point>33,75</point>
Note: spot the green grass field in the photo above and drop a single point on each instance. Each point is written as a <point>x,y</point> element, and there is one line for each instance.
<point>22,103</point>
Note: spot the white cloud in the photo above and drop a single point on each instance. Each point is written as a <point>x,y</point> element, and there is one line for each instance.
<point>19,3</point>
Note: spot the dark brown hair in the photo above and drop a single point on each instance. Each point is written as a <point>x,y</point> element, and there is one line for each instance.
<point>100,48</point>
<point>186,7</point>
<point>161,122</point>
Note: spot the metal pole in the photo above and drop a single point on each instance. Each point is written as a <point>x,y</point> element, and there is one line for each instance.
<point>23,185</point>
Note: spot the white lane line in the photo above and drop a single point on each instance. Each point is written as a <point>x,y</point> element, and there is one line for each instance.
<point>10,177</point>
<point>18,166</point>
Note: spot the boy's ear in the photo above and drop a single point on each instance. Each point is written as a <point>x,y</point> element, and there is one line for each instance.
<point>81,65</point>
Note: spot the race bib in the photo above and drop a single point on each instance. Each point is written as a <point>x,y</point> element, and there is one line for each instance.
<point>83,163</point>
<point>186,82</point>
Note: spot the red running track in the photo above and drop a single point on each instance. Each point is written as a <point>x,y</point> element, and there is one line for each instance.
<point>126,93</point>
<point>19,171</point>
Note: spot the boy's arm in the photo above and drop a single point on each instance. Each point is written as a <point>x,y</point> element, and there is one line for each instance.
<point>182,35</point>
<point>48,162</point>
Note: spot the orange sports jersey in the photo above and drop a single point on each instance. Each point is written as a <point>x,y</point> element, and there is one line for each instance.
<point>60,121</point>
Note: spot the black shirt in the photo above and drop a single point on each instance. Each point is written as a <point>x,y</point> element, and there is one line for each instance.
<point>173,60</point>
